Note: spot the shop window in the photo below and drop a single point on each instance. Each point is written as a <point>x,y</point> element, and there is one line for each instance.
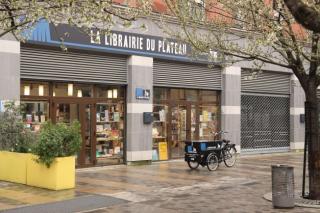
<point>177,94</point>
<point>184,94</point>
<point>208,96</point>
<point>72,90</point>
<point>159,132</point>
<point>110,92</point>
<point>160,94</point>
<point>34,89</point>
<point>110,133</point>
<point>208,121</point>
<point>191,95</point>
<point>34,114</point>
<point>67,113</point>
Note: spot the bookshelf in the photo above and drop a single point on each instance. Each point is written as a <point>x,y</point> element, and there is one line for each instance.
<point>109,132</point>
<point>159,128</point>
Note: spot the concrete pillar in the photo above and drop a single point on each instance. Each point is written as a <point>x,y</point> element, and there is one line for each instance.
<point>139,135</point>
<point>231,104</point>
<point>9,70</point>
<point>297,128</point>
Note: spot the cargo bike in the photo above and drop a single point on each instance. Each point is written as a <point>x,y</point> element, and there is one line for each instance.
<point>210,153</point>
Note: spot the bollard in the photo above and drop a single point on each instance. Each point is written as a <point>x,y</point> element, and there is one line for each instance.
<point>282,186</point>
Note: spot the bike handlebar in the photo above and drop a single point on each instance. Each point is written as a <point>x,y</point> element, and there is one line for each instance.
<point>219,133</point>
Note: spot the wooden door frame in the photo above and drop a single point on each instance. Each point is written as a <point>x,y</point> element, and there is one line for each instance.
<point>172,104</point>
<point>82,119</point>
<point>188,104</point>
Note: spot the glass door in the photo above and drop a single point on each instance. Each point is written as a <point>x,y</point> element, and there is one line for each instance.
<point>69,112</point>
<point>109,133</point>
<point>179,130</point>
<point>86,154</point>
<point>208,121</point>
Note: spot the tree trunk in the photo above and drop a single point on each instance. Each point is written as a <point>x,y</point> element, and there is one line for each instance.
<point>312,137</point>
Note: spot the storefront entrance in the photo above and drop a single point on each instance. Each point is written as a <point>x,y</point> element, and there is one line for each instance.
<point>179,115</point>
<point>68,111</point>
<point>182,126</point>
<point>99,109</point>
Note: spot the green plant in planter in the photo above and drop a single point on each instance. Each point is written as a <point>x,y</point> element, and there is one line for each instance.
<point>57,140</point>
<point>13,136</point>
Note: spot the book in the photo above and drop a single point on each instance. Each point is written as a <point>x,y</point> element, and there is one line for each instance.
<point>116,116</point>
<point>162,115</point>
<point>42,118</point>
<point>106,115</point>
<point>29,118</point>
<point>99,128</point>
<point>117,150</point>
<point>36,118</point>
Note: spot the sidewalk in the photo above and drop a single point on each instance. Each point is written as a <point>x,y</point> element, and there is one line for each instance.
<point>161,187</point>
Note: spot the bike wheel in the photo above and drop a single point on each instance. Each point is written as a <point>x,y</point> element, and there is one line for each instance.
<point>212,162</point>
<point>193,164</point>
<point>230,157</point>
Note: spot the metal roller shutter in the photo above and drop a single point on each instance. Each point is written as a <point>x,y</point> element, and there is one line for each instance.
<point>186,75</point>
<point>265,123</point>
<point>266,82</point>
<point>57,65</point>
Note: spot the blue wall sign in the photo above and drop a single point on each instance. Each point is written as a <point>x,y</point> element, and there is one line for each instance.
<point>142,94</point>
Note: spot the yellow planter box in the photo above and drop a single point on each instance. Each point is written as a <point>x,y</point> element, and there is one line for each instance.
<point>60,175</point>
<point>13,166</point>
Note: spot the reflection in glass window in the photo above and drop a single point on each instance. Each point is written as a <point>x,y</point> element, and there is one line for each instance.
<point>208,96</point>
<point>160,94</point>
<point>208,121</point>
<point>191,95</point>
<point>177,94</point>
<point>72,90</point>
<point>34,89</point>
<point>110,92</point>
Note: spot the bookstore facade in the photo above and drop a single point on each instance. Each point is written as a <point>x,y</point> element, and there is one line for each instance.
<point>64,87</point>
<point>113,84</point>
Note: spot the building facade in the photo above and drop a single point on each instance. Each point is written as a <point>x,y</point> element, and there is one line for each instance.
<point>113,83</point>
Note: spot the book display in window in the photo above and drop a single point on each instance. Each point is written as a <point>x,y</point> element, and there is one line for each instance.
<point>208,121</point>
<point>34,114</point>
<point>67,113</point>
<point>159,128</point>
<point>178,130</point>
<point>109,132</point>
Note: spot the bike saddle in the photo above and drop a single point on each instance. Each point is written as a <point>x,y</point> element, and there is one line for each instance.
<point>226,141</point>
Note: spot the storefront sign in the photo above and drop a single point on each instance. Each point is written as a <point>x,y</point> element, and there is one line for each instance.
<point>142,94</point>
<point>163,151</point>
<point>120,40</point>
<point>115,42</point>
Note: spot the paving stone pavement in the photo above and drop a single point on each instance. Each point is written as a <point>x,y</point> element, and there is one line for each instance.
<point>171,187</point>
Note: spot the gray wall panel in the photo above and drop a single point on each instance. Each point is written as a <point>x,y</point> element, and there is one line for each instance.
<point>70,66</point>
<point>186,75</point>
<point>139,135</point>
<point>10,76</point>
<point>266,82</point>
